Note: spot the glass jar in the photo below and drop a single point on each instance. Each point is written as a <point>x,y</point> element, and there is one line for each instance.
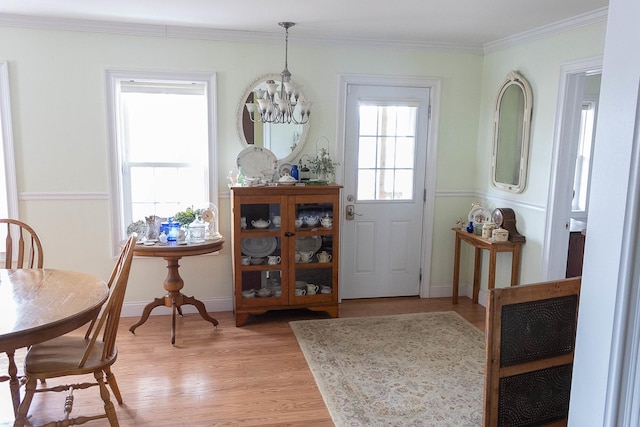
<point>197,230</point>
<point>170,228</point>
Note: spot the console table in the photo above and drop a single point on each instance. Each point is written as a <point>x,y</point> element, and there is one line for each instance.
<point>172,252</point>
<point>480,243</point>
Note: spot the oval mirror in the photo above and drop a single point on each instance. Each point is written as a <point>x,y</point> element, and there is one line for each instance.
<point>284,140</point>
<point>511,128</point>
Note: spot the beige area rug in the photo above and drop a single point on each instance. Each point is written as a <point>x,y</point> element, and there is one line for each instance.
<point>424,369</point>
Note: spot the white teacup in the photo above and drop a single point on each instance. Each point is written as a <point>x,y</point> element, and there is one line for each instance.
<point>301,292</point>
<point>326,290</point>
<point>306,256</point>
<point>277,220</point>
<point>243,222</point>
<point>324,257</point>
<point>298,222</point>
<point>246,260</point>
<point>312,289</point>
<point>273,259</point>
<point>297,256</point>
<point>251,293</point>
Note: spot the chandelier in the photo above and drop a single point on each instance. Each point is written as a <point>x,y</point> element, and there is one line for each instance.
<point>284,104</point>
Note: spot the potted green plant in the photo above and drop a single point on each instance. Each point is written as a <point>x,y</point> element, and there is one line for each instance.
<point>187,216</point>
<point>323,166</point>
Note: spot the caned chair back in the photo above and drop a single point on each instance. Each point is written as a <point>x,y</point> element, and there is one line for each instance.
<point>108,321</point>
<point>25,241</point>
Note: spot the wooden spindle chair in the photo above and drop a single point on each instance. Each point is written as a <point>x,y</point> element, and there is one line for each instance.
<point>71,355</point>
<point>22,242</point>
<point>26,243</point>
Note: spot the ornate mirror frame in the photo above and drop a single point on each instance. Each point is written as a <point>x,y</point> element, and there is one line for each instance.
<point>511,133</point>
<point>243,121</point>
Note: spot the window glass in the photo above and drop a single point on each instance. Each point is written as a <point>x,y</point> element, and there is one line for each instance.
<point>163,141</point>
<point>579,203</point>
<point>386,152</point>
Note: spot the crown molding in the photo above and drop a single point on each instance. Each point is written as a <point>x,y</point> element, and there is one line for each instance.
<point>573,23</point>
<point>43,23</point>
<point>198,33</point>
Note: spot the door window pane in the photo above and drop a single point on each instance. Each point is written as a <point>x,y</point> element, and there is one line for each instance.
<point>386,152</point>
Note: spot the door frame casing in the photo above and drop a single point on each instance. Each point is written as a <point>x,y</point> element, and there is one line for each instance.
<point>433,84</point>
<point>556,235</point>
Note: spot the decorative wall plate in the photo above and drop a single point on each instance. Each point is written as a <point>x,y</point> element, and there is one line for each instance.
<point>284,169</point>
<point>478,215</point>
<point>253,160</point>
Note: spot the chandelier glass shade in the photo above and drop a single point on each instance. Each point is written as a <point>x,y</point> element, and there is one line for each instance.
<point>280,102</point>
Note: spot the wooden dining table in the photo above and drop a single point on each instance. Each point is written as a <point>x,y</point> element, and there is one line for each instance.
<point>37,305</point>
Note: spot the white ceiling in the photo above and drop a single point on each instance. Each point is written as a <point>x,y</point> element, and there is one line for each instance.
<point>454,22</point>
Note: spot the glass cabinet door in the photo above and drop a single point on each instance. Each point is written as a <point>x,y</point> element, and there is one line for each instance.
<point>313,249</point>
<point>260,226</point>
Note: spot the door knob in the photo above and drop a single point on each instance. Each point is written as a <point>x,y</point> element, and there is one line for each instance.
<point>351,212</point>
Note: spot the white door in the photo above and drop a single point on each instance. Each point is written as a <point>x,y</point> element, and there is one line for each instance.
<point>385,150</point>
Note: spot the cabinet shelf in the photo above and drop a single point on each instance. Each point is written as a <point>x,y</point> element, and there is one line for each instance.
<point>288,278</point>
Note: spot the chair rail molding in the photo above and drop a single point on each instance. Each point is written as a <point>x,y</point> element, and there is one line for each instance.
<point>28,196</point>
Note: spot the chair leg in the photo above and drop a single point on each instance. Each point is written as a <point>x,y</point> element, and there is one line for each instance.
<point>109,409</point>
<point>23,409</point>
<point>111,380</point>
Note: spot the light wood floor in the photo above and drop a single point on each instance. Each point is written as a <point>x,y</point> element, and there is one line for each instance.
<point>255,375</point>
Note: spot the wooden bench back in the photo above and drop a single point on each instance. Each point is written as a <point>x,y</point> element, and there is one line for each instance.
<point>531,331</point>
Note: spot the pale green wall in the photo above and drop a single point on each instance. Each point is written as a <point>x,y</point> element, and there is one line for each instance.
<point>540,62</point>
<point>60,135</point>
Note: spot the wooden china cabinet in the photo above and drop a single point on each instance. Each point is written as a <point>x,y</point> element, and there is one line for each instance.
<point>289,278</point>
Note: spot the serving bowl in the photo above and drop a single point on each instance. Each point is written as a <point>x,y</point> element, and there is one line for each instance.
<point>260,223</point>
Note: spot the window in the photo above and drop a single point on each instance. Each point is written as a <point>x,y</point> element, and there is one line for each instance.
<point>579,204</point>
<point>8,186</point>
<point>162,144</point>
<point>386,152</point>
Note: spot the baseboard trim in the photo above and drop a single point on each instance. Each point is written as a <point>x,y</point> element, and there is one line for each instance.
<point>465,290</point>
<point>442,291</point>
<point>134,309</point>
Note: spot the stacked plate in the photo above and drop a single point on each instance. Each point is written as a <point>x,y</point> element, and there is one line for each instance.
<point>258,246</point>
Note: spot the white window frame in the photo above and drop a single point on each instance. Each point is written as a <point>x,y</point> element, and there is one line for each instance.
<point>576,213</point>
<point>117,192</point>
<point>9,200</point>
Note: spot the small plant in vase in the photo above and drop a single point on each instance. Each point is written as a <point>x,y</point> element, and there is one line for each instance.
<point>323,166</point>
